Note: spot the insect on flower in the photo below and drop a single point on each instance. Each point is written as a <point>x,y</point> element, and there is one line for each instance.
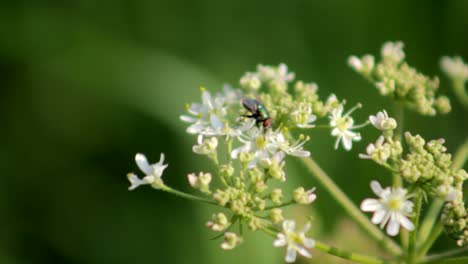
<point>258,112</point>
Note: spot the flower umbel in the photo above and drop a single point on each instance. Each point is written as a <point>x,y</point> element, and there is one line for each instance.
<point>392,207</point>
<point>153,172</point>
<point>295,241</point>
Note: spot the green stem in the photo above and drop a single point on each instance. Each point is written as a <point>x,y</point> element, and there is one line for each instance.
<point>459,89</point>
<point>349,206</point>
<point>347,254</point>
<point>187,196</point>
<point>443,255</point>
<point>400,118</point>
<point>279,205</point>
<point>429,220</point>
<point>431,239</point>
<point>461,155</point>
<point>413,235</point>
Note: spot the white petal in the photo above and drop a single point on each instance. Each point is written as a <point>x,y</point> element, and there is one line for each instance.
<point>188,119</point>
<point>143,164</point>
<point>303,251</point>
<point>370,205</point>
<point>300,153</point>
<point>280,240</point>
<point>216,122</point>
<point>289,225</point>
<point>393,227</point>
<point>305,228</point>
<point>206,99</point>
<point>347,143</point>
<point>376,187</point>
<point>405,222</point>
<point>161,160</point>
<point>378,216</point>
<point>309,242</point>
<point>134,181</point>
<point>290,255</point>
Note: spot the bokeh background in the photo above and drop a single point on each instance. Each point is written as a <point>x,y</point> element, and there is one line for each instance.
<point>86,84</point>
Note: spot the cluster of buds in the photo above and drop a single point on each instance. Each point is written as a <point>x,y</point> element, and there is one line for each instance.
<point>393,77</point>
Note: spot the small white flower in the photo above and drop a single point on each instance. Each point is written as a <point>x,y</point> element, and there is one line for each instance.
<point>454,67</point>
<point>205,146</point>
<point>275,165</point>
<point>280,73</point>
<point>341,127</point>
<point>294,149</point>
<point>382,121</point>
<point>208,118</point>
<point>202,181</point>
<point>231,240</point>
<point>296,242</point>
<point>392,207</point>
<point>301,196</point>
<point>257,143</point>
<point>303,116</point>
<point>393,51</point>
<point>153,172</point>
<point>380,152</point>
<point>364,65</point>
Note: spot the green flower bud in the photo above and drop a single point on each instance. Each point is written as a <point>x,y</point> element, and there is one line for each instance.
<point>231,240</point>
<point>219,222</point>
<point>276,215</point>
<point>276,196</point>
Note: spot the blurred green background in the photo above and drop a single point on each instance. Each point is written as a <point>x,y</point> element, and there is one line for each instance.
<point>87,84</point>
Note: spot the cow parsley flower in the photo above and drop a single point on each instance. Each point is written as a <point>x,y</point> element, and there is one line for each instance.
<point>295,241</point>
<point>341,127</point>
<point>153,172</point>
<point>392,207</point>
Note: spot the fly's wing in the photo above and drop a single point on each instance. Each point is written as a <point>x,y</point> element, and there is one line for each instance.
<point>250,104</point>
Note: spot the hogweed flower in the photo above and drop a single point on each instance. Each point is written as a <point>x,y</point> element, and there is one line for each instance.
<point>382,121</point>
<point>303,116</point>
<point>201,182</point>
<point>153,172</point>
<point>455,68</point>
<point>219,222</point>
<point>379,152</point>
<point>301,196</point>
<point>391,209</point>
<point>231,240</point>
<point>342,125</point>
<point>294,241</point>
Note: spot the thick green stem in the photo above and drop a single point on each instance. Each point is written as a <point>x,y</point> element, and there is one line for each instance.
<point>187,196</point>
<point>412,238</point>
<point>400,118</point>
<point>347,254</point>
<point>437,257</point>
<point>350,208</point>
<point>462,95</point>
<point>429,220</point>
<point>431,239</point>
